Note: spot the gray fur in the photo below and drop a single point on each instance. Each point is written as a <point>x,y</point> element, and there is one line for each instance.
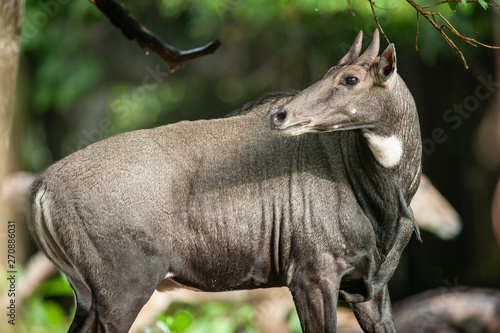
<point>231,204</point>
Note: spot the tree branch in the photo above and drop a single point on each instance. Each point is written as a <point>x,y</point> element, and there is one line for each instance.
<point>459,1</point>
<point>119,15</point>
<point>378,23</point>
<point>431,17</point>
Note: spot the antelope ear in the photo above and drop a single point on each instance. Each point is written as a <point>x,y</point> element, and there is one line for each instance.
<point>387,63</point>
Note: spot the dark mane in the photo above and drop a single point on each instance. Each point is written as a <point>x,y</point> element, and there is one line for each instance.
<point>264,99</point>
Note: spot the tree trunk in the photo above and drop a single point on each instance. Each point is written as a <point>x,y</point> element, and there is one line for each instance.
<point>11,13</point>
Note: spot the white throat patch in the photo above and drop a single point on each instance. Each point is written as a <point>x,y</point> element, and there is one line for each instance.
<point>386,150</point>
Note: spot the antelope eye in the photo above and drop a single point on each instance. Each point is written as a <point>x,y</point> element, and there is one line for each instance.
<point>351,80</point>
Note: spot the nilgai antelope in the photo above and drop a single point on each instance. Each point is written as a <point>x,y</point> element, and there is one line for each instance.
<point>306,190</point>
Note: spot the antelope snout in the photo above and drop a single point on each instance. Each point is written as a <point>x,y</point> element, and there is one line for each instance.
<point>278,117</point>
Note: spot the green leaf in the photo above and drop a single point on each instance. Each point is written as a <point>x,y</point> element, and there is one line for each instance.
<point>179,322</point>
<point>57,287</point>
<point>453,5</point>
<point>483,4</point>
<point>54,312</point>
<point>47,314</point>
<point>464,2</point>
<point>162,317</point>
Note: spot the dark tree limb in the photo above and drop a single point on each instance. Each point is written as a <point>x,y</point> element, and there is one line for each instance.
<point>119,15</point>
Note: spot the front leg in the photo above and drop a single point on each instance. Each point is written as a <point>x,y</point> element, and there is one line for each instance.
<point>315,297</point>
<point>375,315</point>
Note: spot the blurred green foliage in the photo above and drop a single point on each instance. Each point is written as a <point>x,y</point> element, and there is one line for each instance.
<point>213,317</point>
<point>167,324</point>
<point>43,312</point>
<point>44,39</point>
<point>219,317</point>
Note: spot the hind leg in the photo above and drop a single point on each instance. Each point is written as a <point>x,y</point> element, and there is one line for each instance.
<point>85,317</point>
<point>84,321</point>
<point>112,309</point>
<point>112,317</point>
<point>97,320</point>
